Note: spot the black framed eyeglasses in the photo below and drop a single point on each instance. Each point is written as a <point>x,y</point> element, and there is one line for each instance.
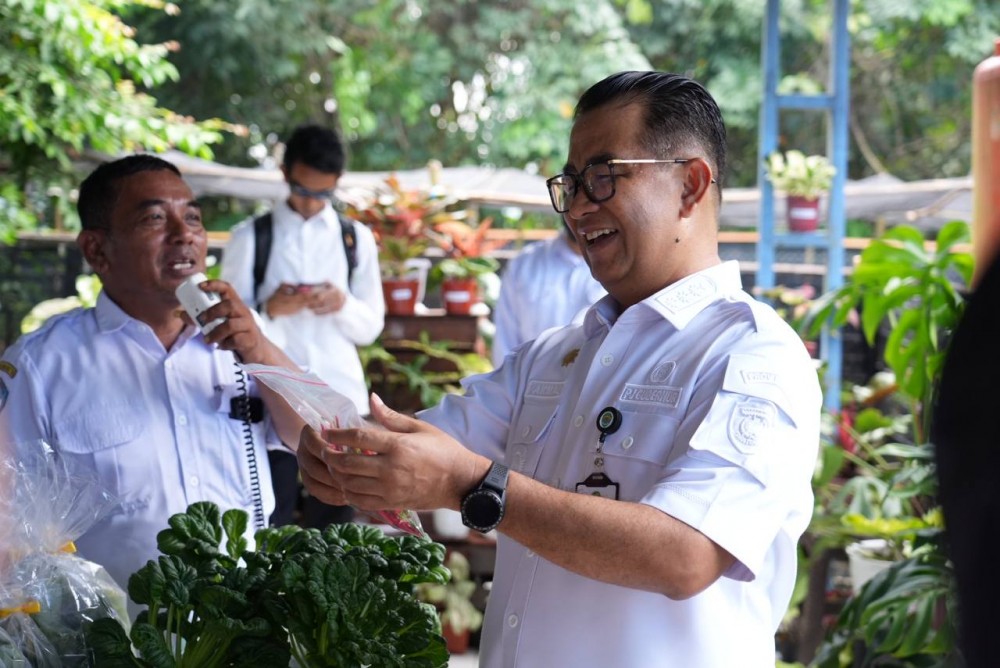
<point>302,191</point>
<point>598,180</point>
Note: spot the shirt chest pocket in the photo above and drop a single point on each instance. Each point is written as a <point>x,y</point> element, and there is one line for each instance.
<point>636,455</point>
<point>533,422</point>
<point>104,441</point>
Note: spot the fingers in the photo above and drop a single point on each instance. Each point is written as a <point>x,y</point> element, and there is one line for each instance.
<point>340,478</point>
<point>326,299</point>
<point>315,474</point>
<point>390,419</point>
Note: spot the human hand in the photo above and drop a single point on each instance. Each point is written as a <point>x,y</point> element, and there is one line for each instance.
<point>325,298</point>
<point>286,300</point>
<point>412,464</point>
<point>239,331</point>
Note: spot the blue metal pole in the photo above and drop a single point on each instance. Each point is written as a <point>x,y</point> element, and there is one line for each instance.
<point>767,143</point>
<point>840,87</point>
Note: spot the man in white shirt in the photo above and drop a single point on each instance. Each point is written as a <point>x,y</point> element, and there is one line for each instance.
<point>649,471</point>
<point>547,285</point>
<point>320,292</point>
<point>129,391</point>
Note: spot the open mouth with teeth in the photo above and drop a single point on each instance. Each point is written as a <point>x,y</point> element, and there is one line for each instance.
<point>182,266</point>
<point>595,236</point>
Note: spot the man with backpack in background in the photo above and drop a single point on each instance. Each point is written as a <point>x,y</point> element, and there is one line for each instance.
<point>313,275</point>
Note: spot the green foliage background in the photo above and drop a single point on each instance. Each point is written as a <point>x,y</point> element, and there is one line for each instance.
<point>463,81</point>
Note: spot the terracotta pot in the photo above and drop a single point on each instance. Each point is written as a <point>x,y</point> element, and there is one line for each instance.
<point>802,213</point>
<point>457,641</point>
<point>459,294</point>
<point>400,295</point>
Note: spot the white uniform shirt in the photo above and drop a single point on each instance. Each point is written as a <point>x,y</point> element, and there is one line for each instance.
<point>720,430</point>
<point>312,251</point>
<point>545,285</point>
<point>153,425</point>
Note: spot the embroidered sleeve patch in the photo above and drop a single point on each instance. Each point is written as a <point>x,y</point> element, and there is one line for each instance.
<point>750,423</point>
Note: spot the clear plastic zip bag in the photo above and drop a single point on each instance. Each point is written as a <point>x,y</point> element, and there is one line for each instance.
<point>322,407</point>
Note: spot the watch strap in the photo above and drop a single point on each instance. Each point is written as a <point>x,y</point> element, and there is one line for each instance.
<point>496,478</point>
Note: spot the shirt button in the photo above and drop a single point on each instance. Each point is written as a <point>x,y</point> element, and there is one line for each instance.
<point>526,430</point>
<point>512,621</point>
<point>169,364</point>
<point>194,481</point>
<point>578,420</point>
<point>182,420</point>
<point>627,443</point>
<point>529,554</point>
<point>607,360</point>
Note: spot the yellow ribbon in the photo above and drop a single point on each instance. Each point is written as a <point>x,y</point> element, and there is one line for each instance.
<point>68,548</point>
<point>29,607</point>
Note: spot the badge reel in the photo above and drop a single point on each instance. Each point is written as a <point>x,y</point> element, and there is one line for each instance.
<point>598,483</point>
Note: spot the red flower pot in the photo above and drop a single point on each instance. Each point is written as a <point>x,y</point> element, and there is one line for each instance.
<point>802,213</point>
<point>459,294</point>
<point>400,295</point>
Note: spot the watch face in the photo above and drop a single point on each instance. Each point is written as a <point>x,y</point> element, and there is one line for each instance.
<point>482,510</point>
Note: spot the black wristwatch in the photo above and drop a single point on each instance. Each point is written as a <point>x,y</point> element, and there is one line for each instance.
<point>482,508</point>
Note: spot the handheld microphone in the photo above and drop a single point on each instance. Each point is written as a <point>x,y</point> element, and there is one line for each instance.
<point>196,301</point>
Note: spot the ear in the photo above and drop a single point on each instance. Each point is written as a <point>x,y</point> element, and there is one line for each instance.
<point>697,184</point>
<point>91,244</point>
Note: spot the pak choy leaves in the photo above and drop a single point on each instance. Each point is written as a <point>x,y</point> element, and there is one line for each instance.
<point>340,597</point>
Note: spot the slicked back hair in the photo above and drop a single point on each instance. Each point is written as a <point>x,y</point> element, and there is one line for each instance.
<point>316,147</point>
<point>680,114</point>
<point>99,191</point>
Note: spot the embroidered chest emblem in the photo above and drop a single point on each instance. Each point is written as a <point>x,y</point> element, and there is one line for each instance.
<point>750,422</point>
<point>570,357</point>
<point>661,372</point>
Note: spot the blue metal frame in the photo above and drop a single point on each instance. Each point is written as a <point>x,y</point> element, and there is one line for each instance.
<point>836,104</point>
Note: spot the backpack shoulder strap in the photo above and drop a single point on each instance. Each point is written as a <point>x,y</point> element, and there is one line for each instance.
<point>350,239</point>
<point>263,232</point>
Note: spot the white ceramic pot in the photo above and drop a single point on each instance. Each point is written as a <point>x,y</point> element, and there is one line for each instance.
<point>861,562</point>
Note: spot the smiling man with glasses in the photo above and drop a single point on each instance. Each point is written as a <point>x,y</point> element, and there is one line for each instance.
<point>314,277</point>
<point>648,471</point>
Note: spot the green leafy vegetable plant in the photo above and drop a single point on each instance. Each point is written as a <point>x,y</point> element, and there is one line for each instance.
<point>340,597</point>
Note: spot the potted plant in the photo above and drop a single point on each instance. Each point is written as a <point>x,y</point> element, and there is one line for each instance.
<point>881,485</point>
<point>453,601</point>
<point>466,263</point>
<point>399,219</point>
<point>803,179</point>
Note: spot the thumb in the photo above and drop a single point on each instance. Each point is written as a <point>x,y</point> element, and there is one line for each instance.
<point>389,418</point>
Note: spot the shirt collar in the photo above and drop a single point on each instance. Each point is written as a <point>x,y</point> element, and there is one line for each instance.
<point>109,315</point>
<point>679,302</point>
<point>110,318</point>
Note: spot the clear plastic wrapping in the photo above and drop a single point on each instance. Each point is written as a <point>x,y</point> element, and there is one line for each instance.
<point>47,593</point>
<point>322,407</point>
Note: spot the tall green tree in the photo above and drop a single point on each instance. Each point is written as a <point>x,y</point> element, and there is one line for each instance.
<point>911,74</point>
<point>71,80</point>
<point>406,80</point>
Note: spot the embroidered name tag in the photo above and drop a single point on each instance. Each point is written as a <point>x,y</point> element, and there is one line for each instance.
<point>647,394</point>
<point>541,389</point>
<point>750,377</point>
<point>688,293</point>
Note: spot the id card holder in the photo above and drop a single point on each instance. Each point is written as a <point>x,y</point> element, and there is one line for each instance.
<point>598,484</point>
